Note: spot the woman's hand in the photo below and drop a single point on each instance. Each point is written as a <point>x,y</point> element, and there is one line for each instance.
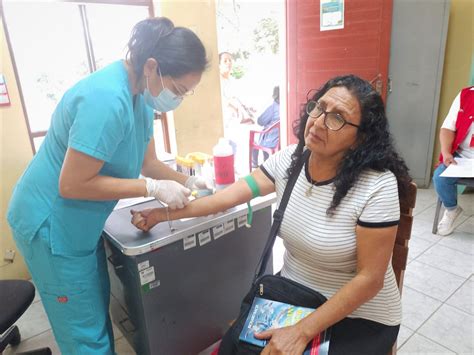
<point>448,159</point>
<point>147,219</point>
<point>288,341</point>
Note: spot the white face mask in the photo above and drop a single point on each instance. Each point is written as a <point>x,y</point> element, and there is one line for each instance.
<point>165,101</point>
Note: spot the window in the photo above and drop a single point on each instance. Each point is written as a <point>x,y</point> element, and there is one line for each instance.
<point>55,44</point>
<point>110,41</point>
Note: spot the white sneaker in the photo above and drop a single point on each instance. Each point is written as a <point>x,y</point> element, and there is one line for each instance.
<point>446,225</point>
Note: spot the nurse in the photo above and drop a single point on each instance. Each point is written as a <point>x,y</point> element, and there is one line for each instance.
<point>100,139</point>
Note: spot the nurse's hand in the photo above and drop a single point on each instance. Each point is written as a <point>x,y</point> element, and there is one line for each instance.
<point>170,192</point>
<point>198,183</point>
<point>147,219</point>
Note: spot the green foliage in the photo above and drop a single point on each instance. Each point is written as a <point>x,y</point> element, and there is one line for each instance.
<point>53,86</point>
<point>266,36</point>
<point>237,71</point>
<point>241,54</point>
<point>240,57</point>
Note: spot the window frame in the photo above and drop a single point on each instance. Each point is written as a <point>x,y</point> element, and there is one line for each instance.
<point>90,58</point>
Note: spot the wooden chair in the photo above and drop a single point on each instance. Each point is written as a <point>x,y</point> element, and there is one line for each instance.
<point>400,249</point>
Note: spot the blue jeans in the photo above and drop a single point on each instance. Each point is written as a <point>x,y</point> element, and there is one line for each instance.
<point>255,157</point>
<point>446,188</point>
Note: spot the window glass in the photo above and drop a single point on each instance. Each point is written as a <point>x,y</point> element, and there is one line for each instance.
<point>49,49</point>
<point>37,141</point>
<point>110,41</point>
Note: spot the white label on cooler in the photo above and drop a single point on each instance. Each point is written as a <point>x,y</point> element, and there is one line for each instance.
<point>147,275</point>
<point>143,265</point>
<point>241,221</point>
<point>204,237</point>
<point>189,242</point>
<point>154,284</point>
<point>218,231</point>
<point>229,226</point>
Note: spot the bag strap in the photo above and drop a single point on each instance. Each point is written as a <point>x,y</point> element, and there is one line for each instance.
<point>278,217</point>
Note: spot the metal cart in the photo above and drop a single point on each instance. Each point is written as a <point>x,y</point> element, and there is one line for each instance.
<point>176,292</point>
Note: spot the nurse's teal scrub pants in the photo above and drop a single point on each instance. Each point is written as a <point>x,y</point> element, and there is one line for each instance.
<point>75,292</point>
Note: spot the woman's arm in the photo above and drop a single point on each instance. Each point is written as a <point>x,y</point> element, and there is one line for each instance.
<point>374,249</point>
<point>80,179</point>
<point>446,138</point>
<point>158,170</point>
<point>234,195</point>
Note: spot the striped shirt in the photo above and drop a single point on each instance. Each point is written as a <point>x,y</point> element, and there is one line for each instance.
<point>320,250</point>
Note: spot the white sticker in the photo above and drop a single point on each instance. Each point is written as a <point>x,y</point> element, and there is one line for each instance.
<point>143,265</point>
<point>241,221</point>
<point>189,242</point>
<point>229,226</point>
<point>147,275</point>
<point>218,231</point>
<point>204,237</point>
<point>154,284</point>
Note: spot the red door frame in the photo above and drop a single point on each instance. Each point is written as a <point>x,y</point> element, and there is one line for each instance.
<point>369,18</point>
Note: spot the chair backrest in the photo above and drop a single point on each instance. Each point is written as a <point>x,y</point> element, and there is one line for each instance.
<point>253,145</point>
<point>270,128</point>
<point>276,124</point>
<point>400,249</point>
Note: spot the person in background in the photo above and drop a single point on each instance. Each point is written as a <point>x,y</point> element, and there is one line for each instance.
<point>237,117</point>
<point>340,224</point>
<point>100,139</point>
<point>457,141</point>
<point>269,117</point>
<point>234,111</point>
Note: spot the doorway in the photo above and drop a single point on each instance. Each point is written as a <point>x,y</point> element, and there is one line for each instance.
<point>251,44</point>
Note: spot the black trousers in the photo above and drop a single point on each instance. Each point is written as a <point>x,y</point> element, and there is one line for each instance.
<point>354,336</point>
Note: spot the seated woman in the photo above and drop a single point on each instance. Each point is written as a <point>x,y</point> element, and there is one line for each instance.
<point>341,221</point>
<point>267,119</point>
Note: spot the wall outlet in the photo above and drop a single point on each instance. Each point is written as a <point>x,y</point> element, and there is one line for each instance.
<point>9,255</point>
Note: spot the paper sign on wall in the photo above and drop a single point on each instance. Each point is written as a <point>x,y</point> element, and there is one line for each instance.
<point>331,15</point>
<point>4,98</point>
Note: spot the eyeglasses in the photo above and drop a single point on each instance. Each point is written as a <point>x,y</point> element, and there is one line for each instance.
<point>180,92</point>
<point>332,120</point>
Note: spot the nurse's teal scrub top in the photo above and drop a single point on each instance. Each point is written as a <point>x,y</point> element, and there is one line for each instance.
<point>97,117</point>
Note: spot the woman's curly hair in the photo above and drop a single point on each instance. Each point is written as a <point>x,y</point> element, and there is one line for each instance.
<point>375,149</point>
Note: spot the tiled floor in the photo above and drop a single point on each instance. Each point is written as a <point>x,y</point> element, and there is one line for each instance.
<point>438,312</point>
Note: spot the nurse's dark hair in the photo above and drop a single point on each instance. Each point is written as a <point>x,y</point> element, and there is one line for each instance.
<point>374,148</point>
<point>177,50</point>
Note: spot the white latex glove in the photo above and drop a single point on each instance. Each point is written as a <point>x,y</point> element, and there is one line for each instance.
<point>198,183</point>
<point>170,192</point>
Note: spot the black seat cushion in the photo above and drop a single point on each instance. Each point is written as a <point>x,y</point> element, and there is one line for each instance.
<point>15,298</point>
